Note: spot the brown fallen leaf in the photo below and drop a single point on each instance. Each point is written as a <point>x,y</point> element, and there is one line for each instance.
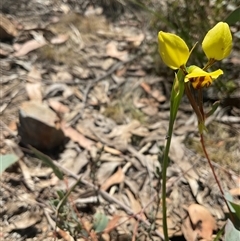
<point>3,53</point>
<point>112,224</point>
<point>76,136</point>
<point>58,106</point>
<point>202,221</point>
<point>34,75</point>
<point>109,149</point>
<point>28,47</point>
<point>7,28</point>
<point>156,94</point>
<point>136,40</point>
<point>60,39</point>
<point>112,51</point>
<point>34,91</point>
<point>25,221</point>
<point>188,232</point>
<point>235,191</point>
<point>135,205</point>
<point>116,178</point>
<point>27,175</point>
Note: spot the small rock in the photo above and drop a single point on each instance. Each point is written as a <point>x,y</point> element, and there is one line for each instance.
<point>39,126</point>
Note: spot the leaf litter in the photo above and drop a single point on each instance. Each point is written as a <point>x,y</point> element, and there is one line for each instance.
<point>81,91</point>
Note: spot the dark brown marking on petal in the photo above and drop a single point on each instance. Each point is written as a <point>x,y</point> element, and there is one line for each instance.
<point>200,80</point>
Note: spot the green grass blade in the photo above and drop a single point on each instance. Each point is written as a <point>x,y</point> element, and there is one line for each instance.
<point>233,17</point>
<point>48,161</point>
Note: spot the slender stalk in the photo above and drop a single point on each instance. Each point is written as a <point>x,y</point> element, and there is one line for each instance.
<point>214,174</point>
<point>176,96</point>
<point>164,178</point>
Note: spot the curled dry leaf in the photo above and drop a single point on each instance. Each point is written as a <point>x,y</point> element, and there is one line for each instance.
<point>27,175</point>
<point>135,205</point>
<point>116,178</point>
<point>28,47</point>
<point>60,39</point>
<point>76,136</point>
<point>112,51</point>
<point>136,40</point>
<point>58,106</point>
<point>112,223</point>
<point>200,224</point>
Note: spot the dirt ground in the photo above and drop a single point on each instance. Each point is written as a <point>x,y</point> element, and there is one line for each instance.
<point>81,84</point>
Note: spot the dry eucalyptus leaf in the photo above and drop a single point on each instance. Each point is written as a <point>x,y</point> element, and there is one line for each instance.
<point>116,178</point>
<point>27,175</point>
<point>112,51</point>
<point>34,91</point>
<point>112,223</point>
<point>189,233</point>
<point>34,75</point>
<point>7,28</point>
<point>58,106</point>
<point>59,39</point>
<point>135,205</point>
<point>76,136</point>
<point>136,40</point>
<point>202,220</point>
<point>105,171</point>
<point>24,221</point>
<point>28,47</point>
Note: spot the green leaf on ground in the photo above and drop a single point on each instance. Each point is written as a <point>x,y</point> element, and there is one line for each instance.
<point>231,233</point>
<point>100,222</point>
<point>6,161</point>
<point>235,211</point>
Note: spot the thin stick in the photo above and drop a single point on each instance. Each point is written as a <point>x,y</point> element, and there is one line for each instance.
<point>214,174</point>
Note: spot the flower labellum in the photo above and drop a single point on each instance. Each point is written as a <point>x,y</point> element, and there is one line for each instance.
<point>217,43</point>
<point>200,78</point>
<point>173,50</point>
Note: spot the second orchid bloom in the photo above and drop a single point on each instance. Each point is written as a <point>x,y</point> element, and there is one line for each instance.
<point>217,45</point>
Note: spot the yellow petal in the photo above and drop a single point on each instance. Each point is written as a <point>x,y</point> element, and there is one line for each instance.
<point>217,43</point>
<point>200,78</point>
<point>198,72</point>
<point>172,49</point>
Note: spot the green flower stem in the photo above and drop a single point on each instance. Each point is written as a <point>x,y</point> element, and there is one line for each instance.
<point>164,179</point>
<point>176,96</point>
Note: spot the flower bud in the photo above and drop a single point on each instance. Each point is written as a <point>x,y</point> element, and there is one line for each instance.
<point>217,43</point>
<point>173,50</point>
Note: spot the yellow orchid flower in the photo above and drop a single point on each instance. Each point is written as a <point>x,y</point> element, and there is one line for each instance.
<point>200,78</point>
<point>173,50</point>
<point>217,43</point>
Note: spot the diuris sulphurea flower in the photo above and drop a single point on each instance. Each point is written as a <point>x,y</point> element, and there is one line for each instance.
<point>200,78</point>
<point>173,50</point>
<point>175,53</point>
<point>217,43</point>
